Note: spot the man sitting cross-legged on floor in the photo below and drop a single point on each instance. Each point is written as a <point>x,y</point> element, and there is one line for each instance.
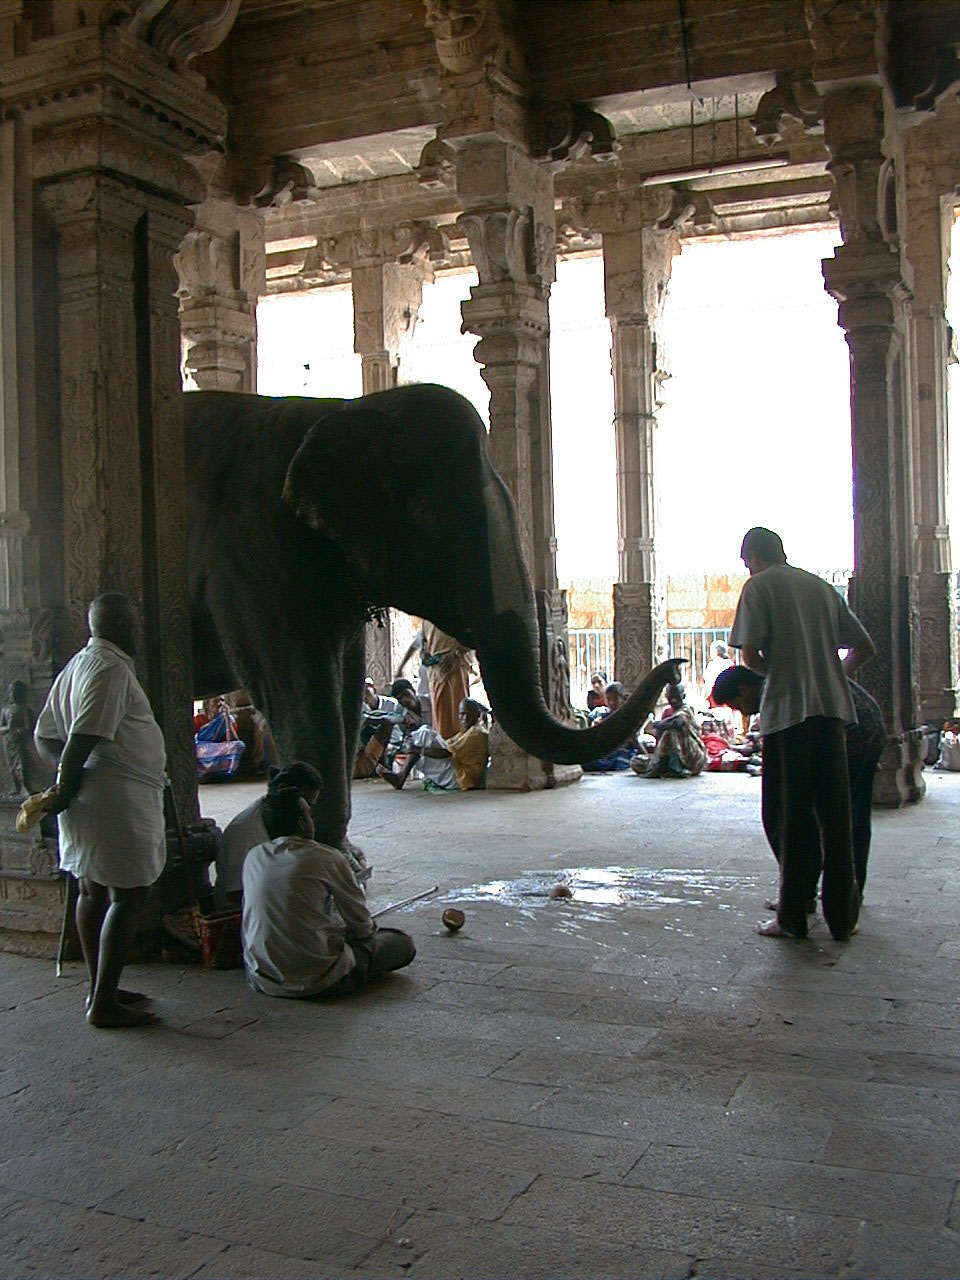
<point>246,830</point>
<point>306,927</point>
<point>453,764</point>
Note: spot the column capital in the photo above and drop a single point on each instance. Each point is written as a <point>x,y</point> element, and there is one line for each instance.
<point>516,314</point>
<point>221,268</point>
<point>637,266</point>
<point>86,92</point>
<point>375,246</point>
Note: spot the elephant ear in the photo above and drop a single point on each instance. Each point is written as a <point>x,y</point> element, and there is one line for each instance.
<point>355,477</point>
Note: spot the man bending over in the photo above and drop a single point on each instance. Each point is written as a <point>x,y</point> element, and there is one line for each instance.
<point>742,689</point>
<point>790,626</point>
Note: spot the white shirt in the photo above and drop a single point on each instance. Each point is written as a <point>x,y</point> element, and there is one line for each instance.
<point>293,943</point>
<point>239,836</point>
<point>798,622</point>
<point>113,830</point>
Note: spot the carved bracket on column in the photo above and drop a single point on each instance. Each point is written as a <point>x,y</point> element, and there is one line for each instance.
<point>794,96</point>
<point>570,130</point>
<point>217,315</point>
<point>507,245</point>
<point>862,178</point>
<point>502,244</point>
<point>179,30</point>
<point>688,208</point>
<point>289,183</point>
<point>437,167</point>
<point>374,246</point>
<point>206,264</point>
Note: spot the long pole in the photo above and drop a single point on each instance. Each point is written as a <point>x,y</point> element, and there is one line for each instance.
<point>405,902</point>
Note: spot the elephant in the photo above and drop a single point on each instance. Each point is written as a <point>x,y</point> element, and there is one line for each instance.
<point>307,516</point>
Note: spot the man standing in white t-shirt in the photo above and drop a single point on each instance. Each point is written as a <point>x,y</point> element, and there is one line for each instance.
<point>789,627</point>
<point>97,723</point>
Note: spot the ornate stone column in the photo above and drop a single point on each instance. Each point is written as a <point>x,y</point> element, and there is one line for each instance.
<point>113,196</point>
<point>221,268</point>
<point>864,276</point>
<point>637,265</point>
<point>387,272</point>
<point>32,639</point>
<point>502,151</point>
<point>509,222</point>
<point>926,245</point>
<point>121,430</point>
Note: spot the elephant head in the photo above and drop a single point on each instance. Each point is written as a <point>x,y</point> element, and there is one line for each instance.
<point>403,482</point>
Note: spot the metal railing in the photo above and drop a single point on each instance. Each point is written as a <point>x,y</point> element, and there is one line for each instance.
<point>694,645</point>
<point>590,650</point>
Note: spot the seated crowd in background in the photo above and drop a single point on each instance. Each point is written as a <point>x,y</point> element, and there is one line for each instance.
<point>678,750</point>
<point>681,742</point>
<point>614,696</point>
<point>386,722</point>
<point>458,763</point>
<point>232,738</point>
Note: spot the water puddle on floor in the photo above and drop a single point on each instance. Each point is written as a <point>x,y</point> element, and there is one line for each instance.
<point>591,889</point>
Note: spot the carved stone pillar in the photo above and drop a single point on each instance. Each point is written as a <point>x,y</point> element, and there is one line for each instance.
<point>926,245</point>
<point>387,273</point>
<point>97,195</point>
<point>864,277</point>
<point>121,430</point>
<point>32,632</point>
<point>637,265</point>
<point>509,222</point>
<point>114,194</point>
<point>386,304</point>
<point>221,266</point>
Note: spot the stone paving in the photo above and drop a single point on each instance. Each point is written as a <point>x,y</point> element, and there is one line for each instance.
<point>626,1083</point>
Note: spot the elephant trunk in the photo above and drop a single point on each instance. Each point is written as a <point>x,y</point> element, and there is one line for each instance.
<point>511,676</point>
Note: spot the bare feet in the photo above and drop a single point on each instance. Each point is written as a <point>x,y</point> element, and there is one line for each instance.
<point>774,929</point>
<point>395,779</point>
<point>771,904</point>
<point>124,997</point>
<point>121,1015</point>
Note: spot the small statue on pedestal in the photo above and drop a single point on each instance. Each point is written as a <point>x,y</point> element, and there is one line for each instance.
<point>15,729</point>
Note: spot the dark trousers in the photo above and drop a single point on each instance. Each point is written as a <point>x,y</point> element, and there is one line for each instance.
<point>384,951</point>
<point>862,766</point>
<point>807,819</point>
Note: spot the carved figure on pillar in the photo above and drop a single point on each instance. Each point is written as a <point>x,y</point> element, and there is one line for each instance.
<point>473,33</point>
<point>15,731</point>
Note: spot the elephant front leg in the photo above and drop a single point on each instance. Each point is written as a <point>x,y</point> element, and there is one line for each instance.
<point>305,718</point>
<point>354,669</point>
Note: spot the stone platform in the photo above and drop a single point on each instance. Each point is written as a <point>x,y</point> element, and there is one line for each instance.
<point>628,1083</point>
